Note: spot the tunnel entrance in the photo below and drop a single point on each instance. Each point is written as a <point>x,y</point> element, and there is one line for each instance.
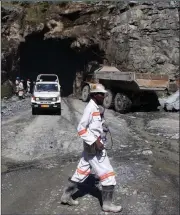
<point>55,56</point>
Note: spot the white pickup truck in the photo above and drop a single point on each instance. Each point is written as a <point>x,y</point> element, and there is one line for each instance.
<point>46,94</point>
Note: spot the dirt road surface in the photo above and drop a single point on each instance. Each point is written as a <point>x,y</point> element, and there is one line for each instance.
<point>40,152</point>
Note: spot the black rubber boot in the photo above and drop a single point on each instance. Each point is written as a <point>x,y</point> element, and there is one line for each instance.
<point>107,197</point>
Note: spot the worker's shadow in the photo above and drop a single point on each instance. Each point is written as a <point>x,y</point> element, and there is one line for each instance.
<point>89,186</point>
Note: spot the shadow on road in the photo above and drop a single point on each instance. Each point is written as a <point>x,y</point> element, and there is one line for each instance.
<point>46,112</point>
<point>144,108</point>
<point>89,186</point>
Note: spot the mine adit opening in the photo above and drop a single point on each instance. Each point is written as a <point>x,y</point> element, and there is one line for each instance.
<point>55,56</point>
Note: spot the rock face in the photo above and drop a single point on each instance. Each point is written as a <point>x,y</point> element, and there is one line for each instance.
<point>134,36</point>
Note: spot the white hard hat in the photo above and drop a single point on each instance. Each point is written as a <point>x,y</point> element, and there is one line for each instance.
<point>97,88</point>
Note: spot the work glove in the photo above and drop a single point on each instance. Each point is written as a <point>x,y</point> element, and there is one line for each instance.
<point>99,145</point>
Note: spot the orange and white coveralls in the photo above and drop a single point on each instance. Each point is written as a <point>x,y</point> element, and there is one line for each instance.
<point>21,86</point>
<point>90,129</point>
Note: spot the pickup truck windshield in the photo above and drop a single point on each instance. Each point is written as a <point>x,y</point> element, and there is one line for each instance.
<point>47,87</point>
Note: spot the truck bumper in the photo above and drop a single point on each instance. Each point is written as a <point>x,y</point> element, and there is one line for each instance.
<point>46,106</point>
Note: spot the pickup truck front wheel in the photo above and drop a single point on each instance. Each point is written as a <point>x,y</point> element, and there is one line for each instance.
<point>122,103</point>
<point>59,111</point>
<point>34,112</point>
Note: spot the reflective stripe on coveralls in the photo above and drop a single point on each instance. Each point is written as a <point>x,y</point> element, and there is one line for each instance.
<point>82,132</point>
<point>83,172</point>
<point>103,177</point>
<point>96,114</point>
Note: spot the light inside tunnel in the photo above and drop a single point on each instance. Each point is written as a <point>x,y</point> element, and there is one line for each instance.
<point>54,56</point>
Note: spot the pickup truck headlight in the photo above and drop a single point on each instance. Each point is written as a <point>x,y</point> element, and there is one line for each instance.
<point>54,99</point>
<point>37,99</point>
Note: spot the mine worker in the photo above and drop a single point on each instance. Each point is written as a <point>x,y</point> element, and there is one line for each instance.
<point>17,84</point>
<point>21,85</point>
<point>94,155</point>
<point>21,89</point>
<point>17,80</point>
<point>31,86</point>
<point>28,85</point>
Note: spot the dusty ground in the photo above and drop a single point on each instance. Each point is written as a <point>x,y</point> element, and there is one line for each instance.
<point>40,152</point>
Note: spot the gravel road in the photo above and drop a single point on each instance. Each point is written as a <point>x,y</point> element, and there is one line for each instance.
<point>40,152</point>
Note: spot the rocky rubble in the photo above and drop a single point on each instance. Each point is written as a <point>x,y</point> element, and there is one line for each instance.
<point>10,107</point>
<point>40,152</point>
<point>135,36</point>
<point>164,127</point>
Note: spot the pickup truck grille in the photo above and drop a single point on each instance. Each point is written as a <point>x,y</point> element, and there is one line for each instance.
<point>45,99</point>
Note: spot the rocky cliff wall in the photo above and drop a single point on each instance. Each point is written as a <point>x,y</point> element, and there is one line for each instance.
<point>134,36</point>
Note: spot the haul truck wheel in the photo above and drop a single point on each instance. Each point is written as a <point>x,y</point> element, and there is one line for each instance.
<point>109,99</point>
<point>122,103</point>
<point>85,93</point>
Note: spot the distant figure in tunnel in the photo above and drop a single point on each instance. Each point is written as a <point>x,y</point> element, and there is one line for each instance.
<point>32,86</point>
<point>28,83</point>
<point>21,85</point>
<point>21,89</point>
<point>17,81</point>
<point>94,155</point>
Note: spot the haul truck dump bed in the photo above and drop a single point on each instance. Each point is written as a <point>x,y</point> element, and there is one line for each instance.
<point>126,89</point>
<point>143,81</point>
